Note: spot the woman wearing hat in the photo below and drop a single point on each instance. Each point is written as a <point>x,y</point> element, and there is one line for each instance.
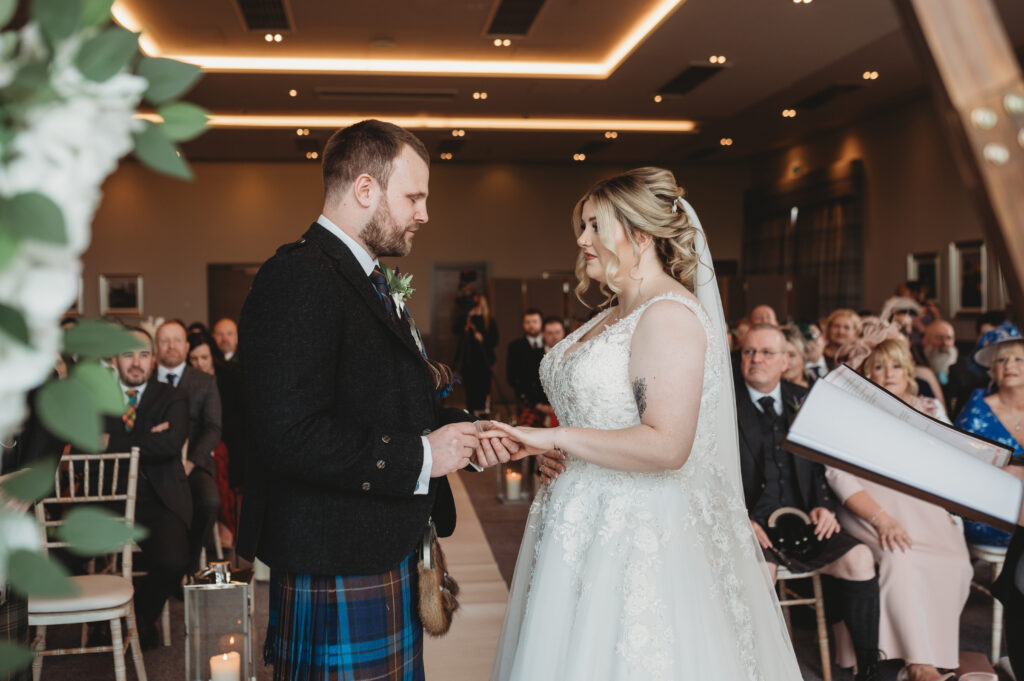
<point>997,412</point>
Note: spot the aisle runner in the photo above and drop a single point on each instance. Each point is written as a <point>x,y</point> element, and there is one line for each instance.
<point>467,651</point>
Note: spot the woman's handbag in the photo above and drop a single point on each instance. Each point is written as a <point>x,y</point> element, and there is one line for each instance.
<point>438,590</point>
<point>792,535</point>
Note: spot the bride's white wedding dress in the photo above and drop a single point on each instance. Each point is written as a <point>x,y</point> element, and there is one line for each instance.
<point>641,576</point>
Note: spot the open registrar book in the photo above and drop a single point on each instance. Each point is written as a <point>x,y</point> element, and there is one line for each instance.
<point>852,424</point>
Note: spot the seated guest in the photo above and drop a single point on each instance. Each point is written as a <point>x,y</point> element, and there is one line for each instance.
<point>997,412</point>
<point>225,335</point>
<point>156,421</point>
<point>522,367</point>
<point>204,427</point>
<point>763,314</point>
<point>842,326</point>
<point>198,327</point>
<point>773,478</point>
<point>903,312</point>
<point>966,376</point>
<point>939,347</point>
<point>796,372</point>
<point>923,565</point>
<point>814,349</point>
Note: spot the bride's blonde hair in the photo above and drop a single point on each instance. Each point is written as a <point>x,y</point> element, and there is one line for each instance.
<point>647,200</point>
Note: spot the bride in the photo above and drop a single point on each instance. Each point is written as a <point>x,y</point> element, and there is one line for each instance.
<point>638,561</point>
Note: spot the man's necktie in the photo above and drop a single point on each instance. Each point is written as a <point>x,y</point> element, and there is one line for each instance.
<point>172,379</point>
<point>768,409</point>
<point>129,414</point>
<point>380,283</point>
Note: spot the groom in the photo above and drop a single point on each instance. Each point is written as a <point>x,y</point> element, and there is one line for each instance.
<point>351,452</point>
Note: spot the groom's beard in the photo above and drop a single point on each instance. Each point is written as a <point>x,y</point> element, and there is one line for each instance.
<point>941,359</point>
<point>383,237</point>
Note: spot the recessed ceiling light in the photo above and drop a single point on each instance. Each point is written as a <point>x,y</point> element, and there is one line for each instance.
<point>579,157</point>
<point>789,113</point>
<point>269,37</point>
<point>610,135</point>
<point>293,93</point>
<point>446,156</point>
<point>497,42</point>
<point>717,59</point>
<point>458,133</point>
<point>277,37</point>
<point>725,141</point>
<point>312,155</point>
<point>479,95</point>
<point>802,2</point>
<point>302,132</point>
<point>657,99</point>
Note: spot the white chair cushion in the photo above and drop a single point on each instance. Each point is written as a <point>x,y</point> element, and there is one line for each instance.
<point>95,592</point>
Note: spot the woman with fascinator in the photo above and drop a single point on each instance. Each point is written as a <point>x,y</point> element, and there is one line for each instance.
<point>924,570</point>
<point>638,560</point>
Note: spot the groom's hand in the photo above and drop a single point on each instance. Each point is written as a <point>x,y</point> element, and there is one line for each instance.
<point>493,450</point>
<point>452,447</point>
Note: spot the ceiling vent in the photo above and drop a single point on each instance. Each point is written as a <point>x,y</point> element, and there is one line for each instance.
<point>689,79</point>
<point>264,15</point>
<point>514,17</point>
<point>826,95</point>
<point>387,94</point>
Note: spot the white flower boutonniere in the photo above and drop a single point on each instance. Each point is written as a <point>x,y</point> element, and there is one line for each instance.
<point>400,285</point>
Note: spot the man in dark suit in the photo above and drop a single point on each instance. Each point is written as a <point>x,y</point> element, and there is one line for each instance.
<point>225,335</point>
<point>349,450</point>
<point>155,421</point>
<point>522,367</point>
<point>773,478</point>
<point>204,411</point>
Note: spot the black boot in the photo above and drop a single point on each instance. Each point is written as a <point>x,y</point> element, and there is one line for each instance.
<point>859,604</point>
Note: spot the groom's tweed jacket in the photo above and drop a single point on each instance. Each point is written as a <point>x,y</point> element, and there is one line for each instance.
<point>338,397</point>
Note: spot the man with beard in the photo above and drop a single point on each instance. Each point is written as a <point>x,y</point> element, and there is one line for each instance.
<point>939,346</point>
<point>350,448</point>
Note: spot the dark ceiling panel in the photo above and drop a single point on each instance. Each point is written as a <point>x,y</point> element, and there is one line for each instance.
<point>826,95</point>
<point>690,78</point>
<point>386,94</point>
<point>264,15</point>
<point>514,17</point>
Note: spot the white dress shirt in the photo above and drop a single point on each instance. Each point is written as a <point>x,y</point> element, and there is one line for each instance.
<point>178,371</point>
<point>124,392</point>
<point>536,342</point>
<point>819,368</point>
<point>775,394</point>
<point>368,262</point>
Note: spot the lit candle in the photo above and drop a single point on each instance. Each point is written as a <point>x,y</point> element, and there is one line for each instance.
<point>513,485</point>
<point>226,667</point>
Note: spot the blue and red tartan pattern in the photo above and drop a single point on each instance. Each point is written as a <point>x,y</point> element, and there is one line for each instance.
<point>352,628</point>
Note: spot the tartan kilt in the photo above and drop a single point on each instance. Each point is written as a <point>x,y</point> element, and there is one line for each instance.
<point>14,628</point>
<point>350,628</point>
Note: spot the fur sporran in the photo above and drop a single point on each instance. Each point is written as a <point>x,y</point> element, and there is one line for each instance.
<point>438,590</point>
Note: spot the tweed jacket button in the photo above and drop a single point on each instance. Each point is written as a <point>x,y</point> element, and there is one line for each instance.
<point>381,464</point>
<point>386,439</point>
<point>366,487</point>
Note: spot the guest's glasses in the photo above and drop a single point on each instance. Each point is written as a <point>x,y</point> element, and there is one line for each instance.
<point>767,354</point>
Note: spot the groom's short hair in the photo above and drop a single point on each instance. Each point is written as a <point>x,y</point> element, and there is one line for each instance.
<point>369,147</point>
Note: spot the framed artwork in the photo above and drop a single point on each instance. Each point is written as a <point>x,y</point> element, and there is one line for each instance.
<point>926,268</point>
<point>968,278</point>
<point>121,294</point>
<point>77,308</point>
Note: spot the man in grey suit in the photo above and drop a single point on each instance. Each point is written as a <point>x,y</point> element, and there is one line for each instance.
<point>204,410</point>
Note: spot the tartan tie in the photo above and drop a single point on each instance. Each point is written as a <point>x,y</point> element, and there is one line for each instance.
<point>380,283</point>
<point>129,414</point>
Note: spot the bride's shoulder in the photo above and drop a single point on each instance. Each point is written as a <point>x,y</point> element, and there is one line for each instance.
<point>674,315</point>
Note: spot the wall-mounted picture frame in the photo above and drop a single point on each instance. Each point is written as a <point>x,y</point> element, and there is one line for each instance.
<point>121,294</point>
<point>77,308</point>
<point>968,278</point>
<point>926,268</point>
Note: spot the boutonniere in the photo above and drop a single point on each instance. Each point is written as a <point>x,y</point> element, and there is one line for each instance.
<point>796,404</point>
<point>399,284</point>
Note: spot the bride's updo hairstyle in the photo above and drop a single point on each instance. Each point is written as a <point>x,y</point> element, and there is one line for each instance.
<point>644,200</point>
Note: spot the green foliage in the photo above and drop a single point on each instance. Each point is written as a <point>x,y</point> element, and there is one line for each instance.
<point>8,246</point>
<point>33,216</point>
<point>7,8</point>
<point>12,322</point>
<point>95,12</point>
<point>13,657</point>
<point>182,121</point>
<point>67,408</point>
<point>32,82</point>
<point>106,54</point>
<point>168,79</point>
<point>155,149</point>
<point>33,574</point>
<point>106,392</point>
<point>57,18</point>
<point>95,339</point>
<point>30,484</point>
<point>90,531</point>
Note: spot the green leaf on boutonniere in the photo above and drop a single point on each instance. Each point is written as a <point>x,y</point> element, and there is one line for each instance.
<point>167,78</point>
<point>34,216</point>
<point>103,56</point>
<point>400,284</point>
<point>154,148</point>
<point>57,18</point>
<point>183,121</point>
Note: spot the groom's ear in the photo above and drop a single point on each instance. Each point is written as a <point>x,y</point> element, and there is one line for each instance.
<point>363,189</point>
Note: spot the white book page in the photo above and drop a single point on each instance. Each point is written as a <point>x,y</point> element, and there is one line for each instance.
<point>847,379</point>
<point>843,426</point>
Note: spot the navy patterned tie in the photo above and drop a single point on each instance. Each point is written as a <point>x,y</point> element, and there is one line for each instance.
<point>768,413</point>
<point>380,283</point>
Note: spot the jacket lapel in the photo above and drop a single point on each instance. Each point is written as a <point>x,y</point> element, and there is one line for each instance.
<point>349,268</point>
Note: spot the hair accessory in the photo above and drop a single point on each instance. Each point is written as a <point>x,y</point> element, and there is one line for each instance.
<point>874,331</point>
<point>677,204</point>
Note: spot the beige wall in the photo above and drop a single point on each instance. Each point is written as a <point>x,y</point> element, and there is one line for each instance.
<point>512,216</point>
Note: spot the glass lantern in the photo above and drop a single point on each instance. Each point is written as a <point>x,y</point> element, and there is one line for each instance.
<point>218,626</point>
<point>516,481</point>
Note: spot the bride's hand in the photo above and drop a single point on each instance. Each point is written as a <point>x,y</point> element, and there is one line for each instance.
<point>532,440</point>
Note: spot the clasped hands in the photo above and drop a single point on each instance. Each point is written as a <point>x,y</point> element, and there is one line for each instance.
<point>488,443</point>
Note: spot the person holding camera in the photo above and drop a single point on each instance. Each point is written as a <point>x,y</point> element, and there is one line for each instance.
<point>474,356</point>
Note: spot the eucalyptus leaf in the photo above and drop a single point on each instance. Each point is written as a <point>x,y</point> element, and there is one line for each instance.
<point>67,409</point>
<point>8,246</point>
<point>7,8</point>
<point>95,338</point>
<point>156,150</point>
<point>30,80</point>
<point>95,12</point>
<point>106,392</point>
<point>168,79</point>
<point>30,484</point>
<point>34,216</point>
<point>182,121</point>
<point>13,324</point>
<point>33,574</point>
<point>106,54</point>
<point>90,531</point>
<point>13,658</point>
<point>57,18</point>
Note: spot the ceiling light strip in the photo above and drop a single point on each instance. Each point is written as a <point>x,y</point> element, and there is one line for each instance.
<point>448,123</point>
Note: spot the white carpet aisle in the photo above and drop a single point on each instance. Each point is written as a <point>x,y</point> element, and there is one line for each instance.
<point>466,652</point>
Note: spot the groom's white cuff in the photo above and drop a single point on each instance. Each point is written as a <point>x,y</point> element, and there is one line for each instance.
<point>423,483</point>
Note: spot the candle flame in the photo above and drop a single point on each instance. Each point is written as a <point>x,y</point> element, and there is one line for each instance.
<point>231,641</point>
<point>224,657</point>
